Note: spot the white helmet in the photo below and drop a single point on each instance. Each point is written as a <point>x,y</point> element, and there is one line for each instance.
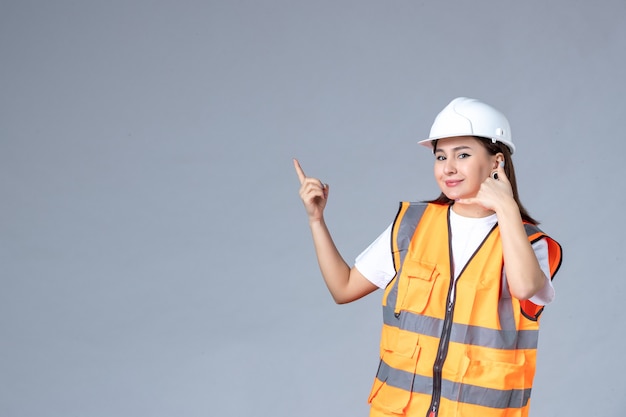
<point>470,117</point>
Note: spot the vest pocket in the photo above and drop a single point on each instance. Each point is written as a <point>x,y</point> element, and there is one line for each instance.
<point>392,389</point>
<point>388,399</point>
<point>400,342</point>
<point>492,384</point>
<point>416,284</point>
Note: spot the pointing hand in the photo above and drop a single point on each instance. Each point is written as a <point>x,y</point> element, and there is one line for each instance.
<point>313,192</point>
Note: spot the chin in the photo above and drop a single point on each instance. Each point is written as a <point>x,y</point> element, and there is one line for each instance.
<point>454,194</point>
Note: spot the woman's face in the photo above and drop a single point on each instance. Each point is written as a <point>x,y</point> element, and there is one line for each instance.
<point>461,165</point>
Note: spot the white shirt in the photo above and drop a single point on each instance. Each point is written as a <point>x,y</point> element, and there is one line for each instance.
<point>376,262</point>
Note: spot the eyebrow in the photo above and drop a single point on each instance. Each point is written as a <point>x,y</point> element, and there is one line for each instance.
<point>458,148</point>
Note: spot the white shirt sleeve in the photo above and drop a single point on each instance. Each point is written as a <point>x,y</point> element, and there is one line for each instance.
<point>376,262</point>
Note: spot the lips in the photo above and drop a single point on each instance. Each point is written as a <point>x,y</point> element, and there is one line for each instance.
<point>452,183</point>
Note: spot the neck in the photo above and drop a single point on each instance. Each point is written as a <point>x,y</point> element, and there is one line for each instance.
<point>473,210</point>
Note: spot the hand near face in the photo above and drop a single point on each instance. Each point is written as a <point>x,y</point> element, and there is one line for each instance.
<point>493,191</point>
<point>313,192</point>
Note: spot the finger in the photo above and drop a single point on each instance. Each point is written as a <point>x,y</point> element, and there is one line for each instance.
<point>313,185</point>
<point>314,182</point>
<point>299,171</point>
<point>312,194</point>
<point>501,172</point>
<point>498,172</point>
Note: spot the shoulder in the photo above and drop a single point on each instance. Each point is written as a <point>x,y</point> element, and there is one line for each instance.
<point>542,243</point>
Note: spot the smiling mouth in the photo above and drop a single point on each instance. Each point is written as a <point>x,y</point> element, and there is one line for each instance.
<point>452,183</point>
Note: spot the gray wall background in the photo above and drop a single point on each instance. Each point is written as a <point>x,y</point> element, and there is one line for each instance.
<point>155,257</point>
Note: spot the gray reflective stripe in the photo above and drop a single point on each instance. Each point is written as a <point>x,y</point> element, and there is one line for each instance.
<point>408,225</point>
<point>404,380</point>
<point>406,229</point>
<point>505,339</point>
<point>505,314</point>
<point>455,391</point>
<point>531,229</point>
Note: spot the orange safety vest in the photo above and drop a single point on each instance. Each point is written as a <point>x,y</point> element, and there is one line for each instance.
<point>469,355</point>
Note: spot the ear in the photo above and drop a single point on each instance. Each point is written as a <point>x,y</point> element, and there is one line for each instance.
<point>499,159</point>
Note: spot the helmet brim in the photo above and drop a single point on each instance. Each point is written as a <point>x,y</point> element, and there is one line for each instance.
<point>428,143</point>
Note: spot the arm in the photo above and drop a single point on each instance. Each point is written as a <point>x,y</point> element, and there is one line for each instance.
<point>546,295</point>
<point>344,283</point>
<point>523,273</point>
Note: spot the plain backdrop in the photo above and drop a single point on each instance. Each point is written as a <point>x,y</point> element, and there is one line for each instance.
<point>155,258</point>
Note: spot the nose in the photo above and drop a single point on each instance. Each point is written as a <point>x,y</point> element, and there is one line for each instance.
<point>449,166</point>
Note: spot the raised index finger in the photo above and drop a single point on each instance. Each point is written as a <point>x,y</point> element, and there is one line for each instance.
<point>299,170</point>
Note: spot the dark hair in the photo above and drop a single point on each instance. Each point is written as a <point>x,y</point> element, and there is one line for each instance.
<point>494,148</point>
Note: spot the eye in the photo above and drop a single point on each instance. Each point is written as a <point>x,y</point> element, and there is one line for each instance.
<point>440,158</point>
<point>464,155</point>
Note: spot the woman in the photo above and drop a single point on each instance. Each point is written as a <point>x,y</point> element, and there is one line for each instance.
<point>466,277</point>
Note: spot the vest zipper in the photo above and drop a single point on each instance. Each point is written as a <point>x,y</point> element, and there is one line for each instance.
<point>442,353</point>
<point>442,350</point>
<point>444,341</point>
